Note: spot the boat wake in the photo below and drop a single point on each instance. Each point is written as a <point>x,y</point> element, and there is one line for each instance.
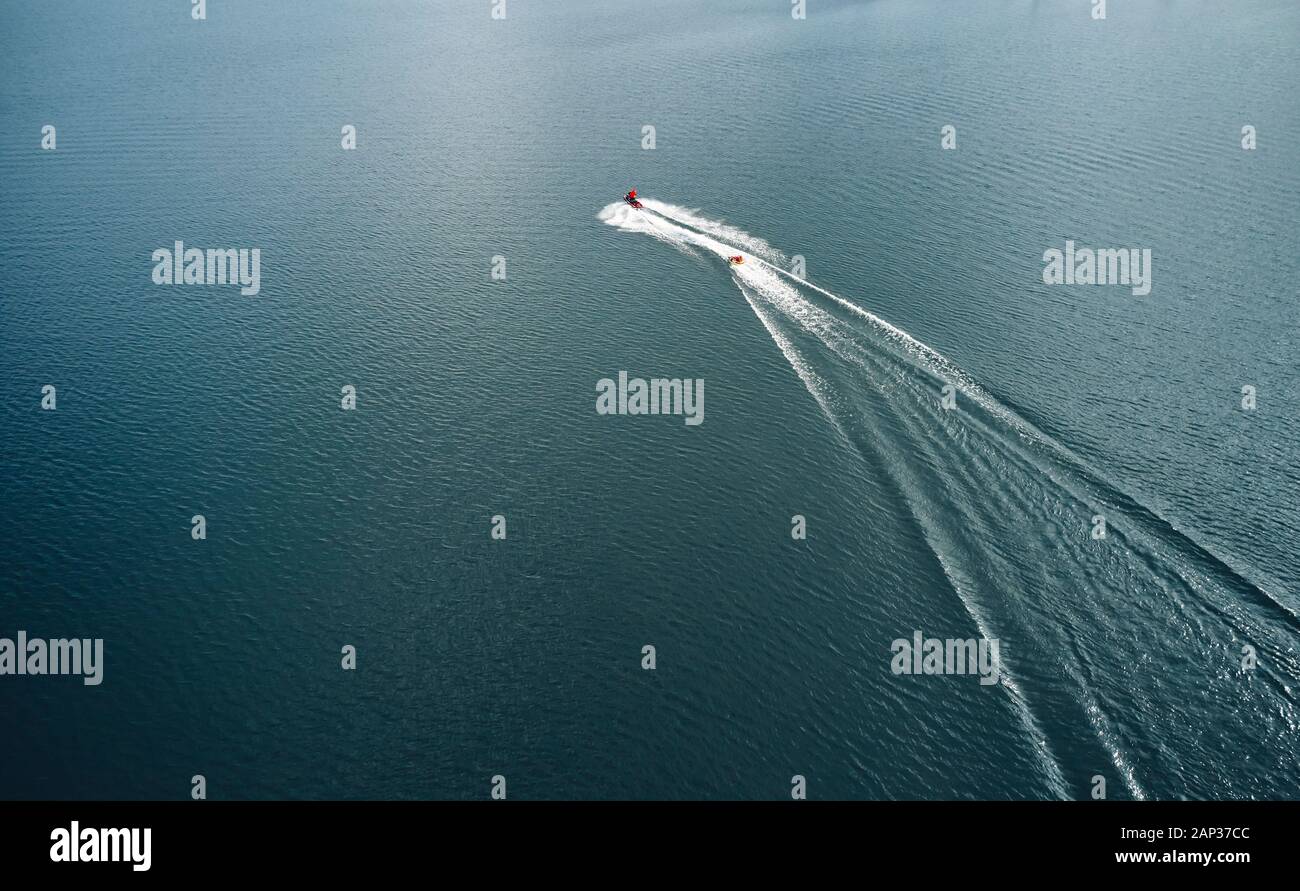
<point>1109,644</point>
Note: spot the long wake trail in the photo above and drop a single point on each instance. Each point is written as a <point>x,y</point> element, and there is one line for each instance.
<point>1004,508</point>
<point>667,230</point>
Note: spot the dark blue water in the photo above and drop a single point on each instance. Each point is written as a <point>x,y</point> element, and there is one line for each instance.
<point>477,138</point>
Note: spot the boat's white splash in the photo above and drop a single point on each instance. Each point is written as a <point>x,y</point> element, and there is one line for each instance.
<point>725,233</point>
<point>989,539</point>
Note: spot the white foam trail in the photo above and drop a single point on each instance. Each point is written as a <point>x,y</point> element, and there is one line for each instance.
<point>751,243</point>
<point>944,369</point>
<point>822,325</point>
<point>816,322</point>
<point>940,367</point>
<point>630,219</point>
<point>1074,476</point>
<point>811,380</point>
